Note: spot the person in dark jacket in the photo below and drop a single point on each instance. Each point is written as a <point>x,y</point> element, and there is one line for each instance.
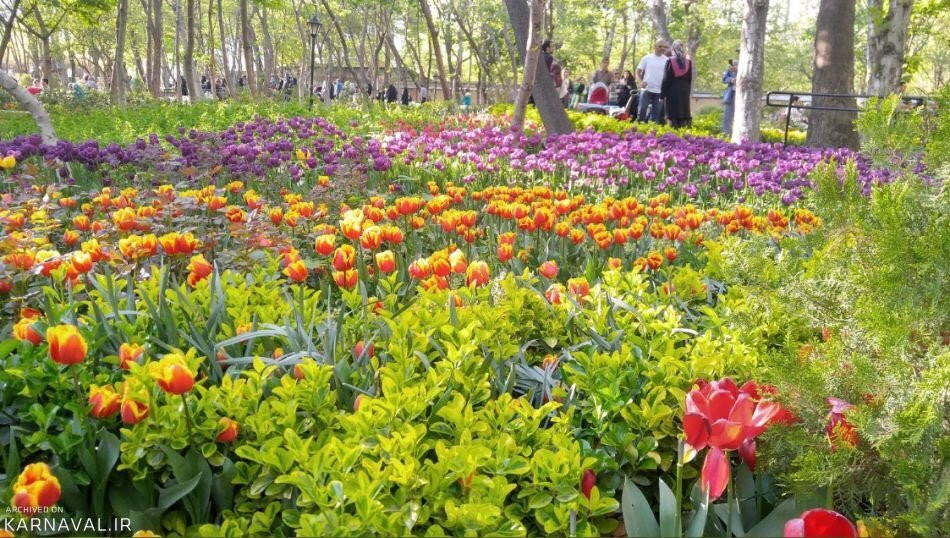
<point>405,95</point>
<point>392,94</point>
<point>677,83</point>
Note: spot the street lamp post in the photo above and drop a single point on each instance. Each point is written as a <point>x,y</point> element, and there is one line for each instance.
<point>314,25</point>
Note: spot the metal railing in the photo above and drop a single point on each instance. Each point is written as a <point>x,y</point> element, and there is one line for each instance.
<point>792,95</point>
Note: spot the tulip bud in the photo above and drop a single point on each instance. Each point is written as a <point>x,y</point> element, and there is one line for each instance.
<point>173,374</point>
<point>104,401</point>
<point>35,488</point>
<point>227,430</point>
<point>359,347</point>
<point>66,344</point>
<point>588,481</point>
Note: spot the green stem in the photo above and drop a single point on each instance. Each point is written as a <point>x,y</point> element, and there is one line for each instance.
<point>729,499</point>
<point>188,421</point>
<point>678,525</point>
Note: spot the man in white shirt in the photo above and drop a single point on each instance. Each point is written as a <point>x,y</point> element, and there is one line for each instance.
<point>649,76</point>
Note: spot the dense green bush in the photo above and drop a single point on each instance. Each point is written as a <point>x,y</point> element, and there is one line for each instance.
<point>859,311</point>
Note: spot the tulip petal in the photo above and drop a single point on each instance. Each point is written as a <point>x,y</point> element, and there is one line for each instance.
<point>720,404</point>
<point>727,384</point>
<point>715,473</point>
<point>827,523</point>
<point>726,434</point>
<point>747,453</point>
<point>794,528</point>
<point>743,409</point>
<point>838,405</point>
<point>696,402</point>
<point>751,388</point>
<point>697,430</point>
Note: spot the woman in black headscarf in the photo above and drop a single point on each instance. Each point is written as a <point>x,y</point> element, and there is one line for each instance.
<point>391,94</point>
<point>677,83</point>
<point>405,95</point>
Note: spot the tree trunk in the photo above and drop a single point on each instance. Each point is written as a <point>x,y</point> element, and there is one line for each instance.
<point>748,111</point>
<point>532,56</point>
<point>32,105</point>
<point>834,73</point>
<point>228,74</point>
<point>887,42</point>
<point>270,56</point>
<point>194,90</point>
<point>693,33</point>
<point>658,14</point>
<point>436,50</point>
<point>117,91</point>
<point>545,95</point>
<point>8,29</point>
<point>609,39</point>
<point>248,47</point>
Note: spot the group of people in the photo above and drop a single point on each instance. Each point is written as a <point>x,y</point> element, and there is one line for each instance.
<point>658,90</point>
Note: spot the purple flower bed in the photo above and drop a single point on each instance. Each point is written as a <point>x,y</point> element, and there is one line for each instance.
<point>588,161</point>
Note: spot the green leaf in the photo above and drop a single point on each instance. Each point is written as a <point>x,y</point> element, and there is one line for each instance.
<point>722,510</point>
<point>172,494</point>
<point>774,523</point>
<point>7,347</point>
<point>746,493</point>
<point>698,523</point>
<point>638,517</point>
<point>668,512</point>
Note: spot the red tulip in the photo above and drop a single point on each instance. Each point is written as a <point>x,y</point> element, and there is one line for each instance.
<point>588,481</point>
<point>838,428</point>
<point>548,269</point>
<point>747,453</point>
<point>715,474</point>
<point>719,414</point>
<point>227,430</point>
<point>819,523</point>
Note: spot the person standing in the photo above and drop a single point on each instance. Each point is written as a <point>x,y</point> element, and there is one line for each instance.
<point>649,74</point>
<point>566,88</point>
<point>627,86</point>
<point>405,95</point>
<point>423,94</point>
<point>391,94</point>
<point>729,98</point>
<point>603,74</point>
<point>676,87</point>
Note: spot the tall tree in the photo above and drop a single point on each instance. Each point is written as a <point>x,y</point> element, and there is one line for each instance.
<point>435,47</point>
<point>748,112</point>
<point>834,74</point>
<point>887,40</point>
<point>545,95</point>
<point>247,44</point>
<point>658,16</point>
<point>194,90</point>
<point>32,105</point>
<point>119,78</point>
<point>531,57</point>
<point>7,24</point>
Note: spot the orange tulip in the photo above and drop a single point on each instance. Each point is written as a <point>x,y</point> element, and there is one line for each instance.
<point>70,237</point>
<point>296,271</point>
<point>670,253</point>
<point>439,263</point>
<point>124,219</point>
<point>344,258</point>
<point>458,262</point>
<point>386,261</point>
<point>104,401</point>
<point>654,260</point>
<point>66,344</point>
<point>324,244</point>
<point>371,237</point>
<point>129,353</point>
<point>505,252</point>
<point>360,347</point>
<point>81,262</point>
<point>276,215</point>
<point>198,269</point>
<point>420,269</point>
<point>22,260</point>
<point>578,286</point>
<point>555,293</point>
<point>477,274</point>
<point>227,430</point>
<point>548,269</point>
<point>132,410</point>
<point>24,330</point>
<point>172,373</point>
<point>346,279</point>
<point>35,488</point>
